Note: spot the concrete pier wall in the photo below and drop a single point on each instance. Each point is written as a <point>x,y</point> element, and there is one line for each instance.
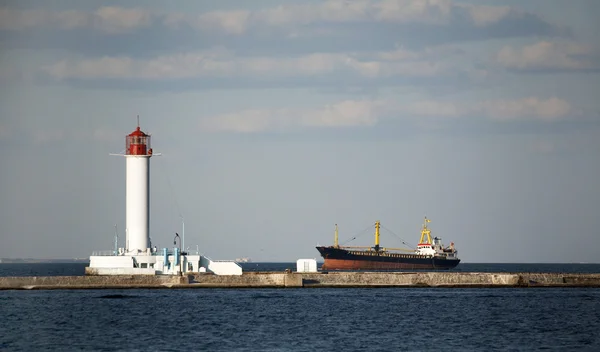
<point>433,279</point>
<point>315,280</point>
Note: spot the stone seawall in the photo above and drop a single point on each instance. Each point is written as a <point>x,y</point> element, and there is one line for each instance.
<point>315,280</point>
<point>398,279</point>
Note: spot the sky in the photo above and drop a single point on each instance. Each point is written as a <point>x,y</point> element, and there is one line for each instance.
<point>278,119</point>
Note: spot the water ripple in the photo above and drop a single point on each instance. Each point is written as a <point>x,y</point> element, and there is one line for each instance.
<point>301,320</point>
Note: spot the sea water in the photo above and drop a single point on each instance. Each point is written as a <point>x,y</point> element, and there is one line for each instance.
<point>302,319</point>
<point>323,319</point>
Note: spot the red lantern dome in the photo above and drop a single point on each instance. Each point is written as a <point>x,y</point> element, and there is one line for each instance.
<point>137,143</point>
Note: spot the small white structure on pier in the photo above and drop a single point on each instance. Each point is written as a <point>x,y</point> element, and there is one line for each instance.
<point>306,265</point>
<point>138,257</point>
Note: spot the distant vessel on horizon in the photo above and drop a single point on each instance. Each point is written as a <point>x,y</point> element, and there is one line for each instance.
<point>429,254</point>
<point>243,260</point>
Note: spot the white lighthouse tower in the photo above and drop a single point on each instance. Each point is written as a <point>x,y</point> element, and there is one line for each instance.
<point>138,257</point>
<point>137,203</point>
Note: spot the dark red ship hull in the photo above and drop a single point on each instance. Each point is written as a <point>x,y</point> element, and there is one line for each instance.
<point>342,259</point>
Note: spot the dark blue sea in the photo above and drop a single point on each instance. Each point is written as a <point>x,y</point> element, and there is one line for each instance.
<point>309,319</point>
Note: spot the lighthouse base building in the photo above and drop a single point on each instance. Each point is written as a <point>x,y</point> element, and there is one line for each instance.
<point>169,262</point>
<point>138,257</point>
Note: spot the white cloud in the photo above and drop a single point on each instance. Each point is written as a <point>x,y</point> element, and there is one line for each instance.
<point>531,107</point>
<point>410,11</point>
<point>221,63</point>
<point>370,112</point>
<point>330,11</point>
<point>231,22</point>
<point>106,67</point>
<point>483,15</point>
<point>15,19</point>
<point>434,108</point>
<point>68,19</point>
<point>547,55</point>
<point>110,19</point>
<point>117,19</point>
<point>549,109</point>
<point>326,11</point>
<point>398,55</point>
<point>343,114</point>
<point>435,12</point>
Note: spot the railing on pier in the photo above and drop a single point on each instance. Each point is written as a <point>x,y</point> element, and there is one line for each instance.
<point>107,253</point>
<point>103,253</point>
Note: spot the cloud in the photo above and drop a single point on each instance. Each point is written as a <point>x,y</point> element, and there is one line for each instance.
<point>340,11</point>
<point>221,63</point>
<point>547,55</point>
<point>431,12</point>
<point>502,110</point>
<point>434,108</point>
<point>230,22</point>
<point>342,114</point>
<point>483,15</point>
<point>370,112</point>
<point>109,19</point>
<point>15,19</point>
<point>290,15</point>
<point>549,109</point>
<point>295,28</point>
<point>327,11</point>
<point>116,19</point>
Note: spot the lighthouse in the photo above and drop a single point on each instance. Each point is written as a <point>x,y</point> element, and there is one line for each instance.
<point>137,256</point>
<point>137,200</point>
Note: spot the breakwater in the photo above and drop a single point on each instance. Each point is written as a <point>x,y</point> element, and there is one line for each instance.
<point>314,280</point>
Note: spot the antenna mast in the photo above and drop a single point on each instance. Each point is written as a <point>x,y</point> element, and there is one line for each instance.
<point>377,226</point>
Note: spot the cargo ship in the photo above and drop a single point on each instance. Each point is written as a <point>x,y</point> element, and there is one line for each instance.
<point>429,254</point>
